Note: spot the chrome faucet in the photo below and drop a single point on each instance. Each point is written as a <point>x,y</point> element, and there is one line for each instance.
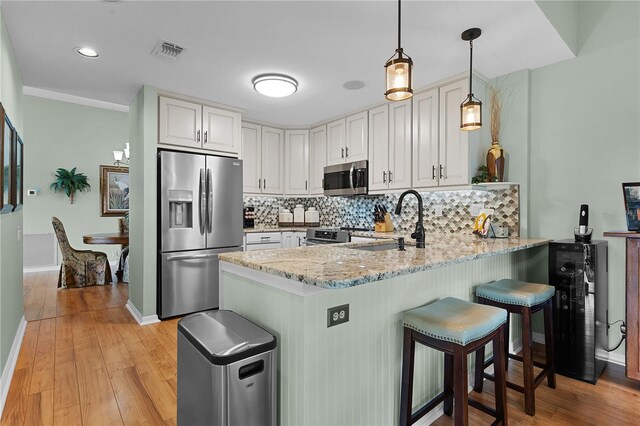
<point>418,234</point>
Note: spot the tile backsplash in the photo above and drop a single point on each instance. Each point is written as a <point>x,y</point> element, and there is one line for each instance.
<point>358,211</point>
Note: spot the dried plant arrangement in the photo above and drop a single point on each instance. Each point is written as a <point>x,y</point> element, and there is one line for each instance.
<point>495,101</point>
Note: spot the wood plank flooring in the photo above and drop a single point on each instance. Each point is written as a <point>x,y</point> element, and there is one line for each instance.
<point>85,361</point>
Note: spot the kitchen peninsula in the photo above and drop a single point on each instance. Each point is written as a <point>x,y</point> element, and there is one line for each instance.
<point>350,373</point>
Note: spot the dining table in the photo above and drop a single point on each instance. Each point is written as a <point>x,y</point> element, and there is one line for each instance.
<point>119,238</point>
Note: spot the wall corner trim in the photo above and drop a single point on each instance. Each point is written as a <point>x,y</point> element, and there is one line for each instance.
<point>149,319</point>
<point>9,367</point>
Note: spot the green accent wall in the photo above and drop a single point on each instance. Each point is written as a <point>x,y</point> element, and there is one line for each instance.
<point>143,136</point>
<point>62,134</point>
<point>563,15</point>
<point>578,138</point>
<point>10,245</point>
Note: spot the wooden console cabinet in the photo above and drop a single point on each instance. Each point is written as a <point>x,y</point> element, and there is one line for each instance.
<point>633,300</point>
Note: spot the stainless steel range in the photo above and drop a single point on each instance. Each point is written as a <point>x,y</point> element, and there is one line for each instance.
<point>318,236</point>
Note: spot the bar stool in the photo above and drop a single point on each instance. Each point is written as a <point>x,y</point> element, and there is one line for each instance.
<point>457,328</point>
<point>519,297</point>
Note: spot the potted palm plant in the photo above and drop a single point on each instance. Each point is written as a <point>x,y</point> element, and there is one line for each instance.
<point>70,182</point>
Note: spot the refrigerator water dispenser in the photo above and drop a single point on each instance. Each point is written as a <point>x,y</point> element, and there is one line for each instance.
<point>180,208</point>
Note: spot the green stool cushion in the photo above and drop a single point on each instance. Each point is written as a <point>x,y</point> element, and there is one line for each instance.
<point>455,320</point>
<point>513,292</point>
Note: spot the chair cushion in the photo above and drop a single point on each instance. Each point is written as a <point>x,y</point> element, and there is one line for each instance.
<point>455,320</point>
<point>515,292</point>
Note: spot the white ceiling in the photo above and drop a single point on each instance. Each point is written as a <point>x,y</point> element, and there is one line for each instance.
<point>321,44</point>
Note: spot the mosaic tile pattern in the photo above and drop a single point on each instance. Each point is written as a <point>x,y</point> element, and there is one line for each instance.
<point>358,211</point>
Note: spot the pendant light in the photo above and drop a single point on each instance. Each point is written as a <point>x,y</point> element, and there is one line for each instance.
<point>398,70</point>
<point>471,108</point>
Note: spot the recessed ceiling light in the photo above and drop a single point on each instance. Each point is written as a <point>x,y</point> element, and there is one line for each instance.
<point>87,52</point>
<point>353,85</point>
<point>275,85</point>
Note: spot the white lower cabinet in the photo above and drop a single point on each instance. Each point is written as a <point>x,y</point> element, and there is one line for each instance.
<point>293,239</point>
<point>253,247</point>
<point>262,240</point>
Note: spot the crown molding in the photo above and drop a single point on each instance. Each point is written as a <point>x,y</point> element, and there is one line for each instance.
<point>64,97</point>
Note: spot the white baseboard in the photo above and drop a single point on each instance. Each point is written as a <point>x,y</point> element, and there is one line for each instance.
<point>615,358</point>
<point>10,366</point>
<point>538,337</point>
<point>149,319</point>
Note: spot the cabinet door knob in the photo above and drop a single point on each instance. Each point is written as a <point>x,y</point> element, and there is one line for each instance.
<point>384,177</point>
<point>198,136</point>
<point>205,136</point>
<point>433,172</point>
<point>264,183</point>
<point>442,172</point>
<point>305,185</point>
<point>342,152</point>
<point>347,150</point>
<point>390,176</point>
<point>259,183</point>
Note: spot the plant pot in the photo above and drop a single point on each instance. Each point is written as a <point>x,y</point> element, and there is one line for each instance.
<point>496,161</point>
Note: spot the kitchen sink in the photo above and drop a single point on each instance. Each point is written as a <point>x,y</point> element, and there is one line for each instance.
<point>378,247</point>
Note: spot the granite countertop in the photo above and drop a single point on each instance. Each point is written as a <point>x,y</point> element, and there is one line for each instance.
<point>341,265</point>
<point>275,229</point>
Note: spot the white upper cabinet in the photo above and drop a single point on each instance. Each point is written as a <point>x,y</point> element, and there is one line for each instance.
<point>336,142</point>
<point>317,159</point>
<point>251,158</point>
<point>221,130</point>
<point>180,123</point>
<point>379,148</point>
<point>194,125</point>
<point>425,139</point>
<point>399,176</point>
<point>272,156</point>
<point>454,143</point>
<point>357,137</point>
<point>296,162</point>
<point>444,155</point>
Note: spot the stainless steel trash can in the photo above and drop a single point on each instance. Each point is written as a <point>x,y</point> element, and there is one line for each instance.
<point>226,371</point>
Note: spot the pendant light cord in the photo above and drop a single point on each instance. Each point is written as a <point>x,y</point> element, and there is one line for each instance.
<point>399,24</point>
<point>470,67</point>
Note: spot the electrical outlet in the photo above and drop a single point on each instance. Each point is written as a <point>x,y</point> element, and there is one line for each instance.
<point>337,315</point>
<point>476,209</point>
<point>437,210</point>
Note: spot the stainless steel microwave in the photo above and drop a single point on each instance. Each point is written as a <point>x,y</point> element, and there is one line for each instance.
<point>347,179</point>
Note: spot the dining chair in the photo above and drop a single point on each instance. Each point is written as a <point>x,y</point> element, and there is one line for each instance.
<point>80,268</point>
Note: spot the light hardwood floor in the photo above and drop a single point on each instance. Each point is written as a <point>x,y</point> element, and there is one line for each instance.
<point>84,360</point>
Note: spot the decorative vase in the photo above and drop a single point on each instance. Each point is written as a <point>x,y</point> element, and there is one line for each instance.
<point>496,161</point>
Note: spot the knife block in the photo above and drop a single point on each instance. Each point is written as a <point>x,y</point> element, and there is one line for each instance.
<point>386,226</point>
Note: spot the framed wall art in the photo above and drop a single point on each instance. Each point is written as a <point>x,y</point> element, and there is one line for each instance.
<point>114,190</point>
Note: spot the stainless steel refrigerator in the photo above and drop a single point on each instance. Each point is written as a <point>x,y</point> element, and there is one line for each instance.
<point>200,216</point>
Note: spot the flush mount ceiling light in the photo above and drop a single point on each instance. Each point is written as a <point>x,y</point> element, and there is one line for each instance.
<point>87,52</point>
<point>398,70</point>
<point>275,85</point>
<point>471,108</point>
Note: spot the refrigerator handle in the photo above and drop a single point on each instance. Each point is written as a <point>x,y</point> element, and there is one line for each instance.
<point>209,201</point>
<point>203,201</point>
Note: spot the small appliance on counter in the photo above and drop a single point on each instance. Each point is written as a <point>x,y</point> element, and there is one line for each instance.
<point>382,219</point>
<point>312,217</point>
<point>318,236</point>
<point>285,218</point>
<point>249,217</point>
<point>583,232</point>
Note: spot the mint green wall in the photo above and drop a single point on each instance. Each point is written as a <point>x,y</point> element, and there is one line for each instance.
<point>585,137</point>
<point>10,245</point>
<point>564,17</point>
<point>143,135</point>
<point>62,134</point>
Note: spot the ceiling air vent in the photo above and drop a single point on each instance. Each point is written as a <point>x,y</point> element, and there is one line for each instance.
<point>167,50</point>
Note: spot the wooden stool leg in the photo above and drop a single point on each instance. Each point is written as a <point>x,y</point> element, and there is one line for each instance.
<point>478,380</point>
<point>461,409</point>
<point>548,343</point>
<point>448,384</point>
<point>527,364</point>
<point>507,336</point>
<point>408,350</point>
<point>500,377</point>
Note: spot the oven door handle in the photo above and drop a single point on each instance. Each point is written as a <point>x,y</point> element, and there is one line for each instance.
<point>353,166</point>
